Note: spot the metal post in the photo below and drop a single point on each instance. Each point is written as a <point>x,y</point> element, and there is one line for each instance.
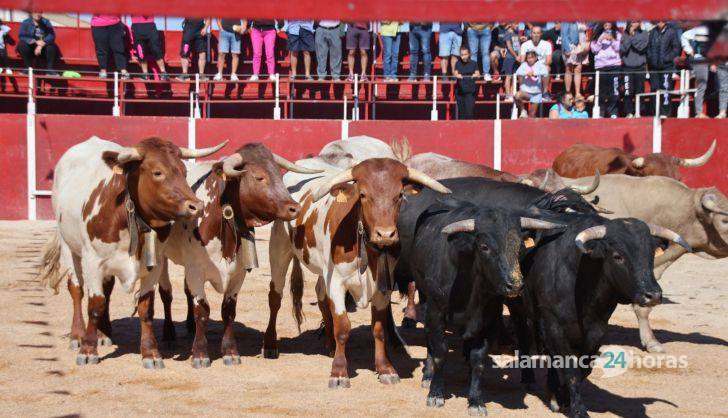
<point>497,106</point>
<point>345,110</point>
<point>197,96</point>
<point>657,132</point>
<point>355,96</point>
<point>192,123</point>
<point>31,93</point>
<point>433,112</point>
<point>30,146</point>
<point>638,98</point>
<point>514,90</point>
<point>683,110</point>
<point>115,110</point>
<point>497,144</point>
<point>596,111</point>
<point>277,108</point>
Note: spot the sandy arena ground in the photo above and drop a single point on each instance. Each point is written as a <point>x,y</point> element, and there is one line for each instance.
<point>38,375</point>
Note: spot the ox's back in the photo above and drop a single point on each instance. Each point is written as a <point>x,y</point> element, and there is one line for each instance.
<point>360,148</point>
<point>442,167</point>
<point>583,160</point>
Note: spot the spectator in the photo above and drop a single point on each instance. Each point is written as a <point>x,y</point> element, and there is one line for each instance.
<point>194,36</point>
<point>662,50</point>
<point>231,36</point>
<point>543,51</point>
<point>605,45</point>
<point>465,71</point>
<point>4,30</point>
<point>263,33</point>
<point>37,38</point>
<point>419,40</point>
<point>579,111</point>
<point>328,45</point>
<point>108,33</point>
<point>530,74</point>
<point>358,37</point>
<point>575,48</point>
<point>505,55</point>
<point>451,38</point>
<point>389,31</point>
<point>562,109</point>
<point>633,50</point>
<point>553,36</point>
<point>479,37</point>
<point>722,70</point>
<point>147,43</point>
<point>301,39</point>
<point>695,44</point>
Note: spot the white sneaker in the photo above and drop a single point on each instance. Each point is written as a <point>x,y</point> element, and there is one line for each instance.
<point>487,77</point>
<point>558,77</point>
<point>721,115</point>
<point>218,77</point>
<point>613,116</point>
<point>8,71</point>
<point>524,114</point>
<point>272,77</point>
<point>253,77</point>
<point>629,115</point>
<point>234,77</point>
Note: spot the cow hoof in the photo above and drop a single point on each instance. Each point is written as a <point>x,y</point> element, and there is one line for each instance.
<point>425,383</point>
<point>654,347</point>
<point>389,379</point>
<point>105,342</point>
<point>270,353</point>
<point>153,363</point>
<point>554,404</point>
<point>435,401</point>
<point>409,323</point>
<point>477,411</point>
<point>339,382</point>
<point>200,363</point>
<point>231,360</point>
<point>84,359</point>
<point>74,344</point>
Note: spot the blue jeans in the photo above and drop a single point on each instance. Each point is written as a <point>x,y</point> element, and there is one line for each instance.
<point>391,55</point>
<point>479,40</point>
<point>419,39</point>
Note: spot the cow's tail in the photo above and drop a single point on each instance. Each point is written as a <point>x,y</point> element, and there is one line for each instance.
<point>297,292</point>
<point>395,340</point>
<point>50,273</point>
<point>402,149</point>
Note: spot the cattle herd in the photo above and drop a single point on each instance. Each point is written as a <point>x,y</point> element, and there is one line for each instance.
<point>560,247</point>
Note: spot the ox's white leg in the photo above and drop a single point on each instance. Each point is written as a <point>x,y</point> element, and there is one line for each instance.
<point>229,346</point>
<point>151,358</point>
<point>328,320</point>
<point>385,370</point>
<point>647,337</point>
<point>195,280</point>
<point>75,288</point>
<point>280,255</point>
<point>104,330</point>
<point>169,334</point>
<point>88,353</point>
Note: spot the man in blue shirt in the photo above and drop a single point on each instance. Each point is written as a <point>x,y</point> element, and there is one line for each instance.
<point>37,39</point>
<point>301,38</point>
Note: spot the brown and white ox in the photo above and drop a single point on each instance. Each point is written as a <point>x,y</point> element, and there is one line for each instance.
<point>582,160</point>
<point>698,215</point>
<point>345,234</point>
<point>243,191</point>
<point>103,195</point>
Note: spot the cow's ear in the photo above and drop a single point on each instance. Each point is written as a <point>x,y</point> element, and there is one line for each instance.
<point>111,158</point>
<point>618,165</point>
<point>217,169</point>
<point>412,188</point>
<point>344,192</point>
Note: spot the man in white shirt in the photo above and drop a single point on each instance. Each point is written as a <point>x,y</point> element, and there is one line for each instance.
<point>543,50</point>
<point>695,44</point>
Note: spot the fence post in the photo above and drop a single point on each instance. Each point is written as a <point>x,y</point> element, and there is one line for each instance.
<point>596,111</point>
<point>514,108</point>
<point>192,123</point>
<point>433,112</point>
<point>277,108</point>
<point>355,96</point>
<point>115,111</point>
<point>497,135</point>
<point>30,146</point>
<point>197,96</point>
<point>683,110</point>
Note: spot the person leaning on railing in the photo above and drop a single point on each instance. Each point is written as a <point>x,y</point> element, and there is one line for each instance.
<point>662,50</point>
<point>37,38</point>
<point>633,50</point>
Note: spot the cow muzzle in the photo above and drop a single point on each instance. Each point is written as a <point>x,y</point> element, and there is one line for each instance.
<point>290,211</point>
<point>513,287</point>
<point>650,298</point>
<point>191,209</point>
<point>384,237</point>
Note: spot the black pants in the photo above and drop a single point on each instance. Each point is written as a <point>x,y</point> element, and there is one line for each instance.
<point>609,83</point>
<point>27,51</point>
<point>557,63</point>
<point>3,58</point>
<point>466,105</point>
<point>661,79</point>
<point>634,84</point>
<point>110,38</point>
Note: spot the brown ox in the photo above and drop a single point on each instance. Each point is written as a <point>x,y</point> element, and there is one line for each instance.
<point>581,160</point>
<point>105,197</point>
<point>346,233</point>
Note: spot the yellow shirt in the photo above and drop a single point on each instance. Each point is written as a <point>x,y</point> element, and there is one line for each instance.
<point>388,28</point>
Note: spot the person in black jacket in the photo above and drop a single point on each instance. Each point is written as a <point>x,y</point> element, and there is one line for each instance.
<point>633,50</point>
<point>663,47</point>
<point>466,71</point>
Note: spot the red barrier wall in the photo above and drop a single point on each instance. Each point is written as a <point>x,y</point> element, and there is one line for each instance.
<point>688,138</point>
<point>532,144</point>
<point>466,140</point>
<point>13,157</point>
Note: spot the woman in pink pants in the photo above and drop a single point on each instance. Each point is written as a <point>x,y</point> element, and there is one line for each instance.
<point>263,32</point>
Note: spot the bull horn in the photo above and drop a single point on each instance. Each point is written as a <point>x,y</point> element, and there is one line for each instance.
<point>532,223</point>
<point>696,162</point>
<point>129,154</point>
<point>587,189</point>
<point>466,225</point>
<point>664,233</point>
<point>638,162</point>
<point>427,181</point>
<point>710,204</point>
<point>202,152</point>
<point>229,164</point>
<point>325,188</point>
<point>285,164</point>
<point>595,232</point>
<point>542,186</point>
